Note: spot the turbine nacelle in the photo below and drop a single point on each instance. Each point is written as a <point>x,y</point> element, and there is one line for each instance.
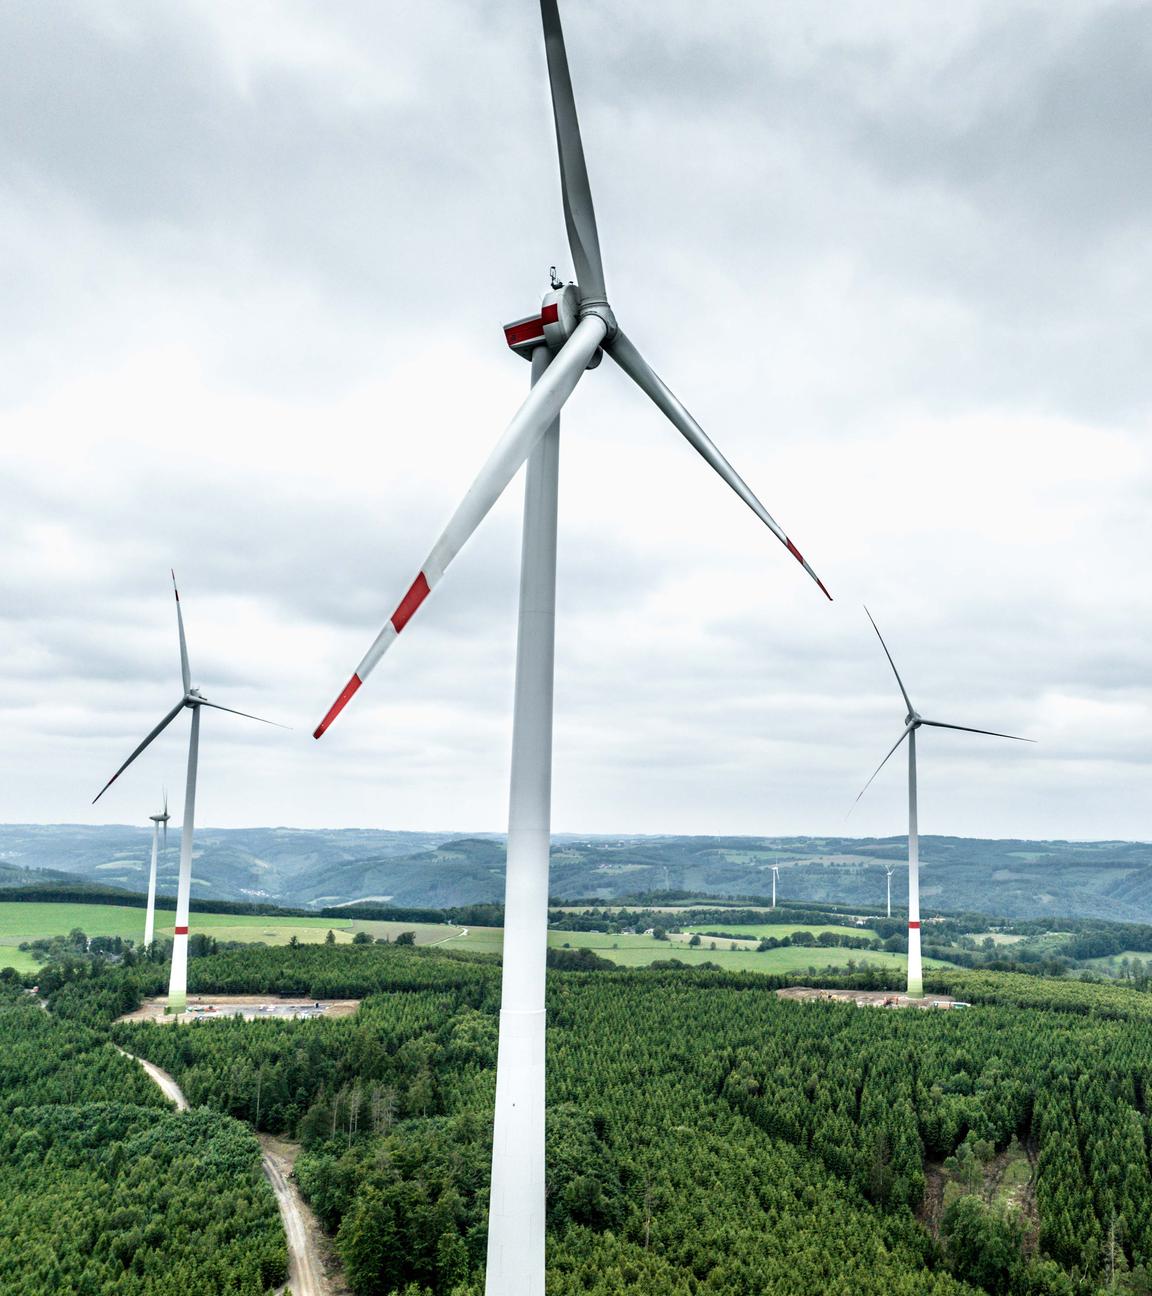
<point>560,311</point>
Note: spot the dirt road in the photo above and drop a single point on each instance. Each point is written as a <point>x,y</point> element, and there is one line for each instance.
<point>168,1087</point>
<point>305,1270</point>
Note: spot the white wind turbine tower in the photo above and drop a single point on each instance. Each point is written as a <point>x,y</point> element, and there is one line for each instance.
<point>573,328</point>
<point>775,879</point>
<point>157,820</point>
<point>889,869</point>
<point>913,721</point>
<point>193,700</point>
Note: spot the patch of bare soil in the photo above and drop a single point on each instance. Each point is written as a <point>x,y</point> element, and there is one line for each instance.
<point>866,998</point>
<point>932,1208</point>
<point>1019,1197</point>
<point>250,1007</point>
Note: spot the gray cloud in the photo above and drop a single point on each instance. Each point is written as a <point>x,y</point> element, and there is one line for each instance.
<point>890,257</point>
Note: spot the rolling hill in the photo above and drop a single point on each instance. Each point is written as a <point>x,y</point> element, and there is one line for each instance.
<point>288,866</point>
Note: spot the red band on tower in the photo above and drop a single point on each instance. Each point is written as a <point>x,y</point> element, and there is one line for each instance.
<point>180,931</point>
<point>915,924</point>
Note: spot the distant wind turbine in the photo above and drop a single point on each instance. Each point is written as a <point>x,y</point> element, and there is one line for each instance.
<point>775,879</point>
<point>889,869</point>
<point>913,721</point>
<point>193,699</point>
<point>574,327</point>
<point>157,820</point>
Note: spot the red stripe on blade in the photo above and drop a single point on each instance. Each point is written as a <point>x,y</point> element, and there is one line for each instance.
<point>410,602</point>
<point>915,924</point>
<point>341,702</point>
<point>180,931</point>
<point>800,559</point>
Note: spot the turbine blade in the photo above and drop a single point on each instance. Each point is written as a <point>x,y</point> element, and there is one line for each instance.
<point>538,412</point>
<point>185,672</point>
<point>907,730</point>
<point>247,715</point>
<point>642,374</point>
<point>579,216</point>
<point>903,690</point>
<point>992,733</point>
<point>154,734</point>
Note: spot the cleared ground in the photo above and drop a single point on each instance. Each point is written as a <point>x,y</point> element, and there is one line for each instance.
<point>250,1007</point>
<point>866,998</point>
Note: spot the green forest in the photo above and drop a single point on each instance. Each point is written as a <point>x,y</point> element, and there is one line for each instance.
<point>103,1189</point>
<point>705,1136</point>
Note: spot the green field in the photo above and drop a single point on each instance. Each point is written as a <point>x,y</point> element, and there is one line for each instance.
<point>1111,962</point>
<point>27,922</point>
<point>20,922</point>
<point>754,931</point>
<point>638,951</point>
<point>19,960</point>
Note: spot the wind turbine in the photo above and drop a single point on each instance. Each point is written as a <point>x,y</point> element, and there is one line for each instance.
<point>889,869</point>
<point>157,820</point>
<point>573,328</point>
<point>775,879</point>
<point>913,721</point>
<point>193,700</point>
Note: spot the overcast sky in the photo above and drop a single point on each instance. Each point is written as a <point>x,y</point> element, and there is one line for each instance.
<point>894,256</point>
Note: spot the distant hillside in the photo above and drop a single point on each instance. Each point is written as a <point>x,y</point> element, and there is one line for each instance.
<point>294,867</point>
<point>13,875</point>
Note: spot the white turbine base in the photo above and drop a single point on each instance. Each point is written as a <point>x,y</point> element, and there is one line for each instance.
<point>178,981</point>
<point>516,1210</point>
<point>915,968</point>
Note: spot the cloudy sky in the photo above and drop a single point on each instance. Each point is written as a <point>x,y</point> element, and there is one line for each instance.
<point>894,256</point>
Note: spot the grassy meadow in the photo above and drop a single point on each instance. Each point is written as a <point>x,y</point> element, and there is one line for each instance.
<point>20,922</point>
<point>754,931</point>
